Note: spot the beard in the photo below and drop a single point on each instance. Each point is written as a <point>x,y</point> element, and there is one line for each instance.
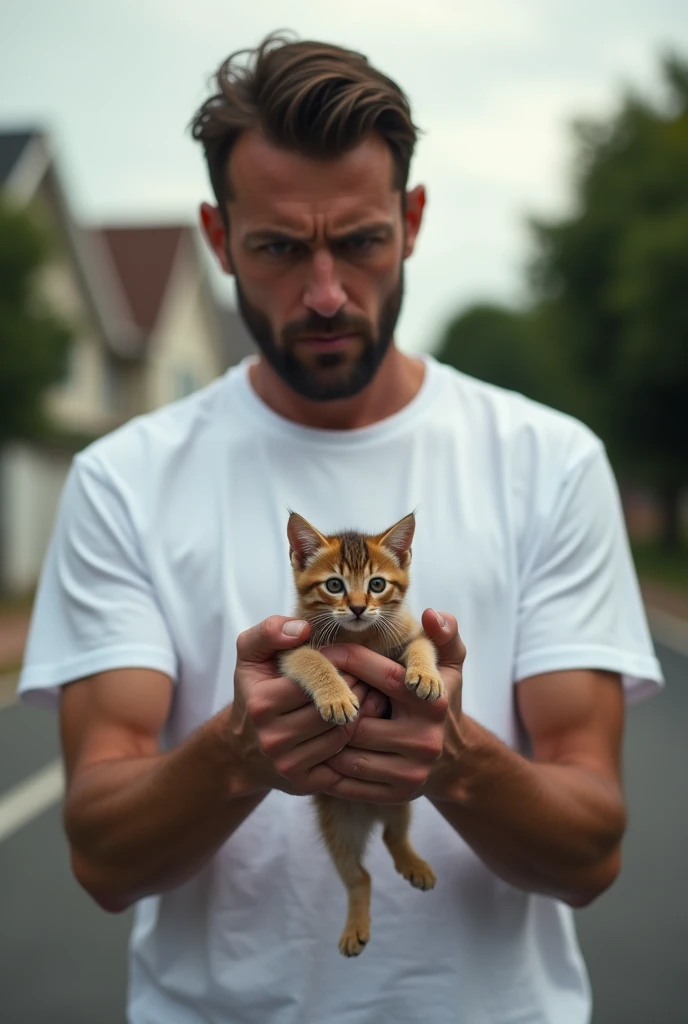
<point>325,376</point>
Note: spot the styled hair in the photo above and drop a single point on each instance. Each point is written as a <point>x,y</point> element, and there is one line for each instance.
<point>313,98</point>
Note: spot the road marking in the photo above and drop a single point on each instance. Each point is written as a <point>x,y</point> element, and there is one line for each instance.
<point>668,630</point>
<point>30,798</point>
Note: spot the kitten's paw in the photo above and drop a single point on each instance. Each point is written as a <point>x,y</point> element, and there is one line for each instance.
<point>354,939</point>
<point>419,873</point>
<point>340,706</point>
<point>428,685</point>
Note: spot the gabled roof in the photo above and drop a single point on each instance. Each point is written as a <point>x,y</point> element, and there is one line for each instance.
<point>143,258</point>
<point>12,145</point>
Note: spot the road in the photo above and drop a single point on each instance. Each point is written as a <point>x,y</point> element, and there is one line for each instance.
<point>62,961</point>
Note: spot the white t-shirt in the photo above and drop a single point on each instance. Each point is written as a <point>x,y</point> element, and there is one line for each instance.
<point>171,539</point>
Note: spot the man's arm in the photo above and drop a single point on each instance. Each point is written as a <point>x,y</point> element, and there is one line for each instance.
<point>140,821</point>
<point>550,824</point>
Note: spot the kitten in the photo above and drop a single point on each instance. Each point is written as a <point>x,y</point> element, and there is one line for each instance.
<point>351,588</point>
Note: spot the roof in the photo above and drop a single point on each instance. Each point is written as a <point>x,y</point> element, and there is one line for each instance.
<point>143,258</point>
<point>12,145</point>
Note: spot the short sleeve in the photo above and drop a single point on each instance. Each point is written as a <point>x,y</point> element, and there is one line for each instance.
<point>95,607</point>
<point>580,603</point>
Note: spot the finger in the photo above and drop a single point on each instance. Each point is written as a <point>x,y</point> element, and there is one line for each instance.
<point>384,674</point>
<point>261,642</point>
<point>443,630</point>
<point>368,767</point>
<point>362,792</point>
<point>391,736</point>
<point>374,705</point>
<point>306,722</point>
<point>314,751</point>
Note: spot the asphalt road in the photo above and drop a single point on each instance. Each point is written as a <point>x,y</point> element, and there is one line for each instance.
<point>63,961</point>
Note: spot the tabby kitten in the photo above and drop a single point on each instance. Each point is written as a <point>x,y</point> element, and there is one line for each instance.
<point>351,588</point>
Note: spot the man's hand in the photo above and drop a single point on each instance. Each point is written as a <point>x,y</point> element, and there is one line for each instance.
<point>279,737</point>
<point>396,760</point>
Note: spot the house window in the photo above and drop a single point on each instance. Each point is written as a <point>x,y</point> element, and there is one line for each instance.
<point>184,382</point>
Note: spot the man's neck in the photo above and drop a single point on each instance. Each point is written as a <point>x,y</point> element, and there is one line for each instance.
<point>396,382</point>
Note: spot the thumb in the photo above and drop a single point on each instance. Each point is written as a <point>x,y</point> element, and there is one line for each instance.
<point>443,630</point>
<point>276,633</point>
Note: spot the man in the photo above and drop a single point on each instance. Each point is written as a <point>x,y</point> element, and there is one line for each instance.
<point>167,589</point>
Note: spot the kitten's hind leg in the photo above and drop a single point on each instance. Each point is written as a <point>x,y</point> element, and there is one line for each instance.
<point>345,827</point>
<point>397,819</point>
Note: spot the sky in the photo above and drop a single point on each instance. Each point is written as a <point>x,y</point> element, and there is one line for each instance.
<point>494,84</point>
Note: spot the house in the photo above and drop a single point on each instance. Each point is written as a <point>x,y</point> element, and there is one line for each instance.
<point>147,329</point>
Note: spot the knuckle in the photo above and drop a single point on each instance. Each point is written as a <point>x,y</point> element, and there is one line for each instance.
<point>257,708</point>
<point>284,765</point>
<point>395,676</point>
<point>413,782</point>
<point>270,744</point>
<point>271,626</point>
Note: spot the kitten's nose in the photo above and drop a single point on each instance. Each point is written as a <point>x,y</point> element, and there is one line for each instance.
<point>357,609</point>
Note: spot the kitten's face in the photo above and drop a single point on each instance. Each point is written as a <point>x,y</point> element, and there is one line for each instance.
<point>351,581</point>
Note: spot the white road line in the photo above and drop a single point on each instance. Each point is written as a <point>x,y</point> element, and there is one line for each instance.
<point>30,798</point>
<point>668,630</point>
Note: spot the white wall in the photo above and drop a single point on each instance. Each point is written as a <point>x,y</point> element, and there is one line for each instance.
<point>78,403</point>
<point>31,481</point>
<point>184,343</point>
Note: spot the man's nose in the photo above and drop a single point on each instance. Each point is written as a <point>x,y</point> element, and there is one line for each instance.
<point>324,293</point>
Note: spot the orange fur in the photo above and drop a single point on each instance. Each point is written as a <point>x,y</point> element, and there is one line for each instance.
<point>365,613</point>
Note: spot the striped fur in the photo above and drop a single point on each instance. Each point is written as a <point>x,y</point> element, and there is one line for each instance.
<point>364,612</point>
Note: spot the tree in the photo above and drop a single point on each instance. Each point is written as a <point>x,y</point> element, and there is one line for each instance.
<point>615,275</point>
<point>517,350</point>
<point>33,343</point>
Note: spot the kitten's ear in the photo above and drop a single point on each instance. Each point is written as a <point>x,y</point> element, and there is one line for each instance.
<point>304,540</point>
<point>398,539</point>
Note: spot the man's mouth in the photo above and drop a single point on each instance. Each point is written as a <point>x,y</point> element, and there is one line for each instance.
<point>328,342</point>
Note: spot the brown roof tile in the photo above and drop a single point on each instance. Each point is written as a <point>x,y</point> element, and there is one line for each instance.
<point>143,258</point>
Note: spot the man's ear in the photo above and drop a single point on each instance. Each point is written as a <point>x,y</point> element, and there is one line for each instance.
<point>415,203</point>
<point>216,235</point>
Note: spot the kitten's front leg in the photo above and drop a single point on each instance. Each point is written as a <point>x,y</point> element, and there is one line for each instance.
<point>422,674</point>
<point>322,682</point>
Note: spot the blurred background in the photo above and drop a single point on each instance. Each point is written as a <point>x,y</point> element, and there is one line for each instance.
<point>553,260</point>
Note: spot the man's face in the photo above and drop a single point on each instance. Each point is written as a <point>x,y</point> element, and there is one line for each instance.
<point>317,250</point>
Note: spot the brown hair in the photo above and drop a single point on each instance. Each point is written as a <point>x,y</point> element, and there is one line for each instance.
<point>314,98</point>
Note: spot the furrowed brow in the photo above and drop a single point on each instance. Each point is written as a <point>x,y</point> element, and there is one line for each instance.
<point>275,235</point>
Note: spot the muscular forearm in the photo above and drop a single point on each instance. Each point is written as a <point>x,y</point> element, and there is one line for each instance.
<point>548,828</point>
<point>145,824</point>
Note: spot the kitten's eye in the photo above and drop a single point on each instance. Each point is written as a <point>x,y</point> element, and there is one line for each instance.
<point>377,585</point>
<point>334,585</point>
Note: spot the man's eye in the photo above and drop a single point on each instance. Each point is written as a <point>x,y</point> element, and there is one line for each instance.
<point>359,243</point>
<point>277,248</point>
<point>334,585</point>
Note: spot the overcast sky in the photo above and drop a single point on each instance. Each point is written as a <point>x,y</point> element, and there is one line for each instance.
<point>493,83</point>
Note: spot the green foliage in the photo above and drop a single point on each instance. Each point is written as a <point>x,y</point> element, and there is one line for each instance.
<point>33,343</point>
<point>616,276</point>
<point>522,351</point>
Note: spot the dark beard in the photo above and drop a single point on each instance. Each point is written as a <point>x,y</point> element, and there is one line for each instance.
<point>320,382</point>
